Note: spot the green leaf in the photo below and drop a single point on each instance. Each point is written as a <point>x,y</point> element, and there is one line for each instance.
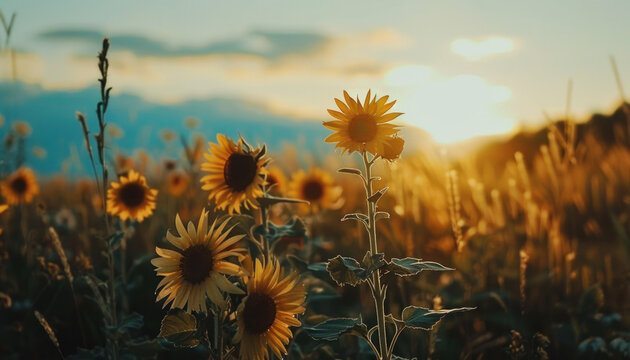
<point>423,318</point>
<point>114,240</point>
<point>271,200</point>
<point>331,329</point>
<point>381,215</point>
<point>350,171</point>
<point>377,195</point>
<point>180,328</point>
<point>133,321</point>
<point>356,216</point>
<point>294,229</point>
<point>373,262</point>
<point>319,266</point>
<point>412,266</point>
<point>346,270</point>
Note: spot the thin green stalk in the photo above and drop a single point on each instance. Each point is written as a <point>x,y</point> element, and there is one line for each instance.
<point>377,291</point>
<point>264,218</point>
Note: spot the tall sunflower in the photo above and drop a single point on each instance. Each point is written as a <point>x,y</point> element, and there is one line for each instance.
<point>197,268</point>
<point>360,126</point>
<point>236,174</point>
<point>317,187</point>
<point>131,198</point>
<point>20,187</point>
<point>265,314</point>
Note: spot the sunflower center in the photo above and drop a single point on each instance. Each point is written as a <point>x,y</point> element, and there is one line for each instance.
<point>131,194</point>
<point>362,128</point>
<point>196,264</point>
<point>312,190</point>
<point>259,313</point>
<point>239,171</point>
<point>18,185</point>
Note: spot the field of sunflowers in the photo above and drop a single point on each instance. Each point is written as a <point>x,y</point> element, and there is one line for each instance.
<point>520,250</point>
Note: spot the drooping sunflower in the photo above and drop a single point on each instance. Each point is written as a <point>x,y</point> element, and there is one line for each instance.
<point>276,180</point>
<point>265,314</point>
<point>197,268</point>
<point>392,148</point>
<point>236,174</point>
<point>176,183</point>
<point>317,187</point>
<point>20,187</point>
<point>360,126</point>
<point>131,198</point>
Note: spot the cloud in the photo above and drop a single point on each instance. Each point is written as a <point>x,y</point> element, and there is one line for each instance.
<point>266,44</point>
<point>450,108</point>
<point>481,49</point>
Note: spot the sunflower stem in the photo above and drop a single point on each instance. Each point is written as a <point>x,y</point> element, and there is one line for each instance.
<point>265,240</point>
<point>377,291</point>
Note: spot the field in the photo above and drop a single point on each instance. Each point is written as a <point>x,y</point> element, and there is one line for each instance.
<point>519,249</point>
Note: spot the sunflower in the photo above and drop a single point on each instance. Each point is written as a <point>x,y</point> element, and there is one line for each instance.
<point>176,183</point>
<point>236,174</point>
<point>392,148</point>
<point>131,198</point>
<point>276,181</point>
<point>265,314</point>
<point>21,186</point>
<point>317,187</point>
<point>361,126</point>
<point>197,269</point>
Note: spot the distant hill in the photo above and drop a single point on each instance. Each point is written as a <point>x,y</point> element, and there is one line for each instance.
<point>601,126</point>
<point>55,128</point>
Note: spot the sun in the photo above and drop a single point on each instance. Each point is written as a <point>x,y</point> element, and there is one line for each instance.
<point>131,198</point>
<point>236,174</point>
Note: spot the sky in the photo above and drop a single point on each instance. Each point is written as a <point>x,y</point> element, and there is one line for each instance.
<point>458,69</point>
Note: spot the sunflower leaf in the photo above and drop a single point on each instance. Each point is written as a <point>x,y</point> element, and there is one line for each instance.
<point>269,200</point>
<point>115,240</point>
<point>180,328</point>
<point>377,195</point>
<point>381,215</point>
<point>346,270</point>
<point>293,229</point>
<point>352,171</point>
<point>412,266</point>
<point>356,216</point>
<point>333,328</point>
<point>133,321</point>
<point>422,318</point>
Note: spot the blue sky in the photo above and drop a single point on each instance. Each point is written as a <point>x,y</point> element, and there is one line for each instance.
<point>458,68</point>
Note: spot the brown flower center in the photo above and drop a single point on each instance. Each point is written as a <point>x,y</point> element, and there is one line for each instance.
<point>362,128</point>
<point>239,171</point>
<point>19,185</point>
<point>196,264</point>
<point>312,190</point>
<point>131,194</point>
<point>259,313</point>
